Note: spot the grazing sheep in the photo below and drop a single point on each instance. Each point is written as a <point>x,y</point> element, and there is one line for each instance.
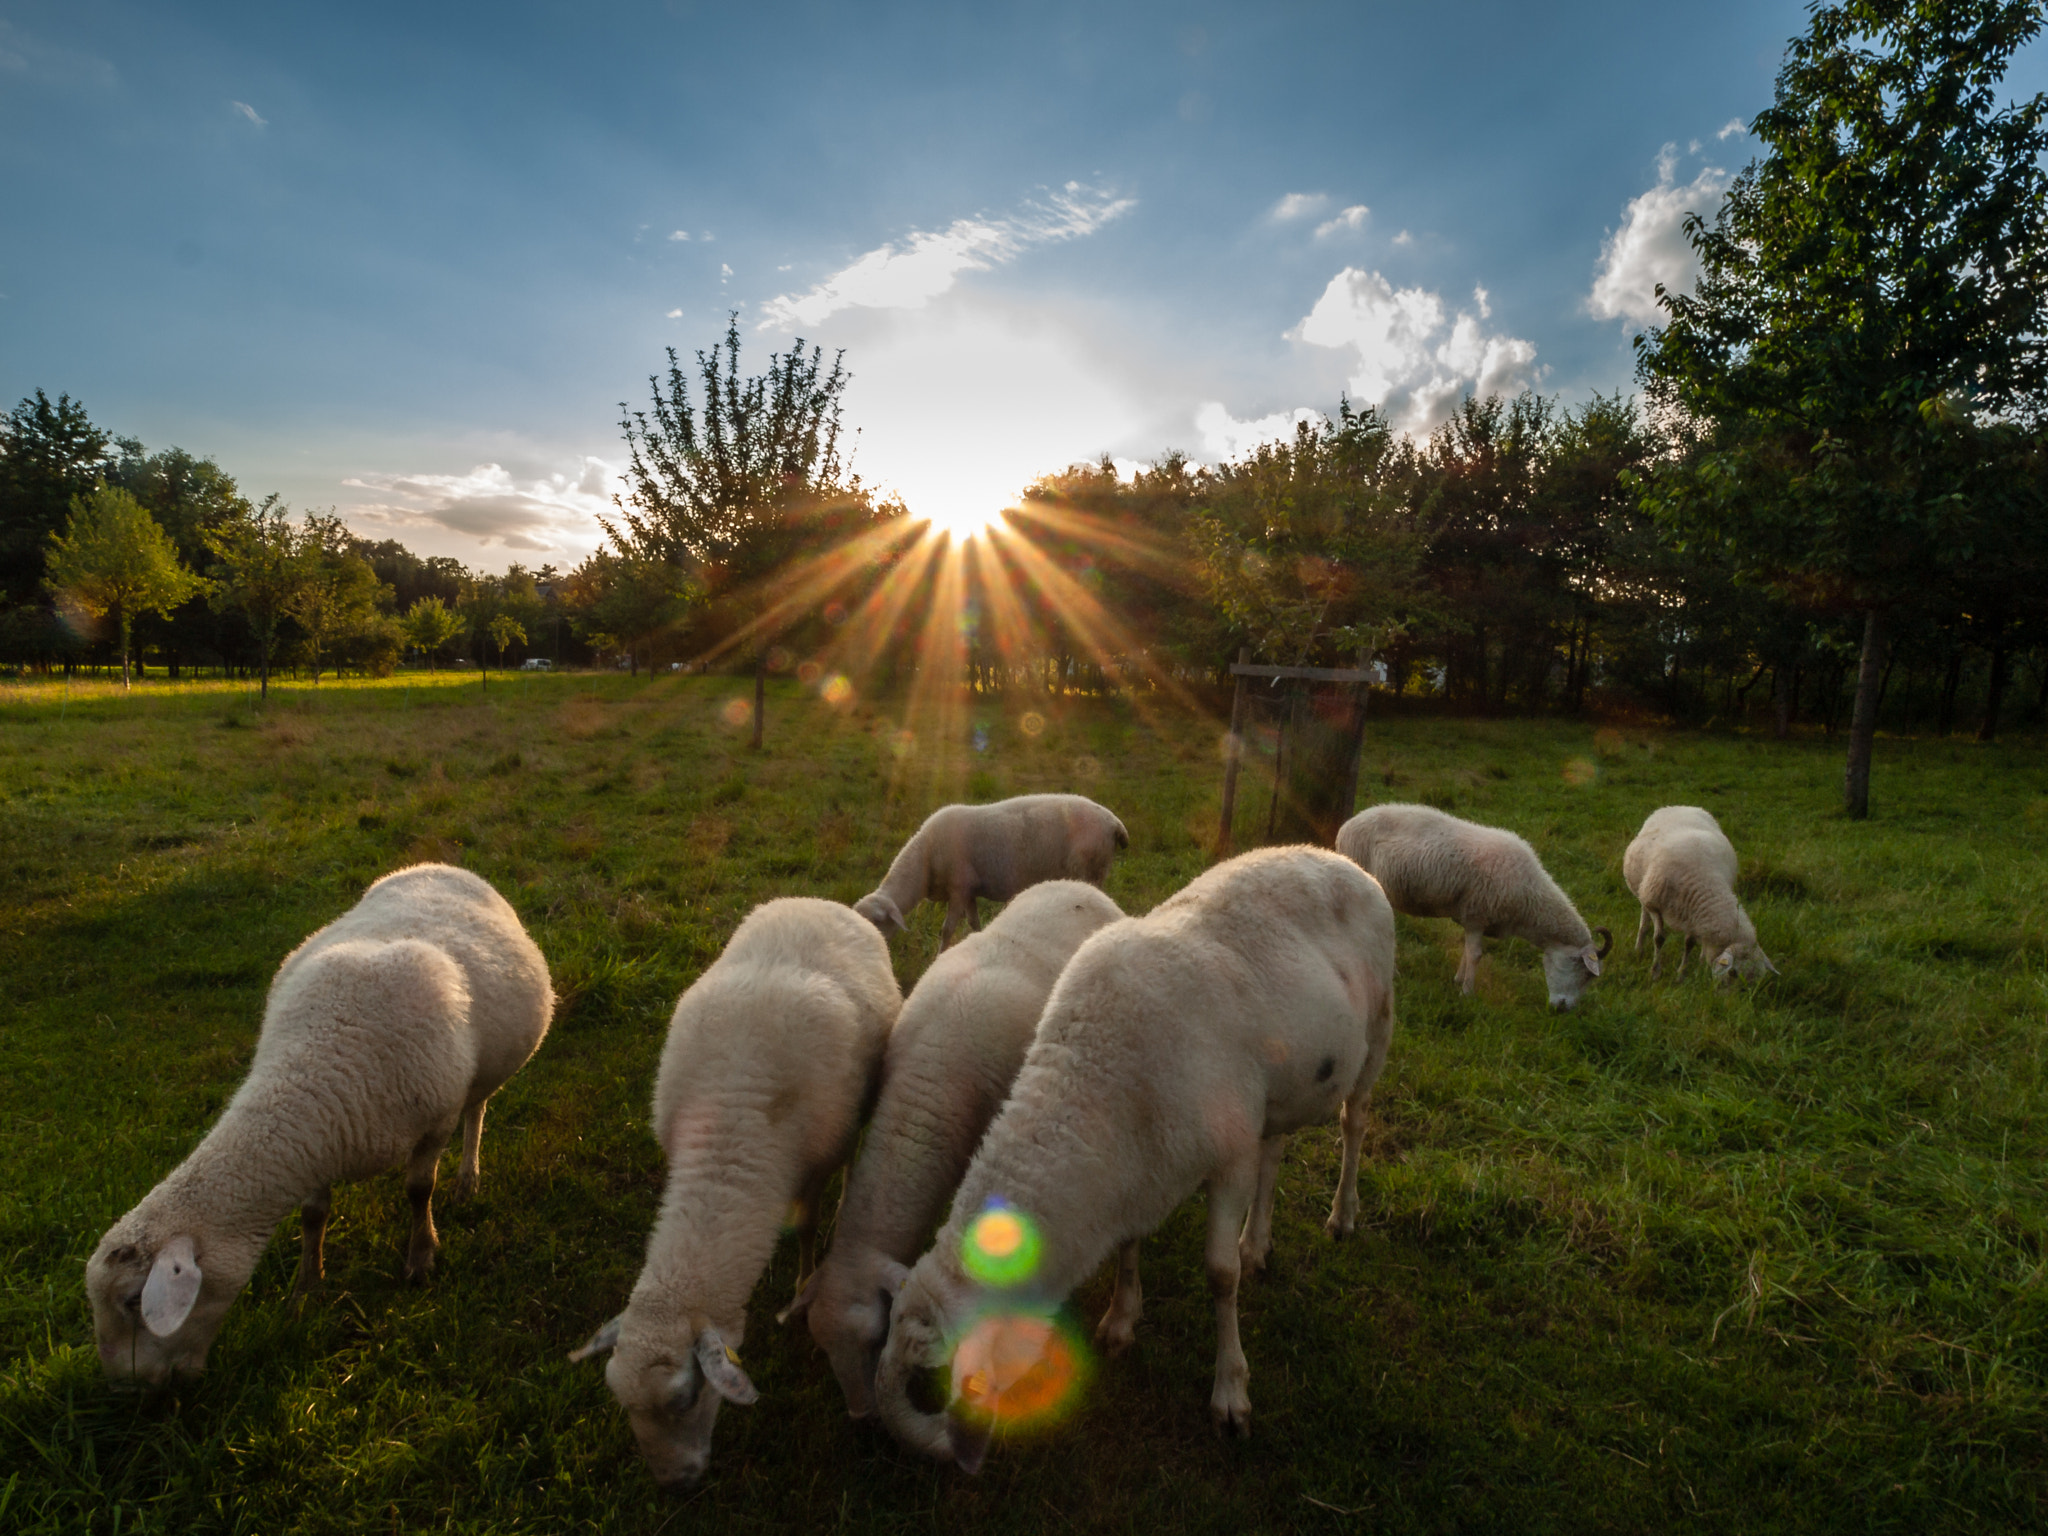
<point>1486,879</point>
<point>1682,867</point>
<point>955,1049</point>
<point>770,1061</point>
<point>964,852</point>
<point>383,1031</point>
<point>1176,1049</point>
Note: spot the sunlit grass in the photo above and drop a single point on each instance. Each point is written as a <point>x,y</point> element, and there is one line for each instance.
<point>1755,1259</point>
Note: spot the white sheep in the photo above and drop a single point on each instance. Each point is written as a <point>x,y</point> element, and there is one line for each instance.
<point>1682,869</point>
<point>965,852</point>
<point>1486,879</point>
<point>771,1059</point>
<point>383,1031</point>
<point>1176,1049</point>
<point>956,1047</point>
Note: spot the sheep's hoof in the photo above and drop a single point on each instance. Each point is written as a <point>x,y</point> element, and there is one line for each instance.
<point>1338,1228</point>
<point>1251,1261</point>
<point>1233,1418</point>
<point>419,1268</point>
<point>465,1187</point>
<point>1114,1337</point>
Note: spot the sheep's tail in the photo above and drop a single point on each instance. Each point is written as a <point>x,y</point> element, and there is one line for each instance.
<point>1123,838</point>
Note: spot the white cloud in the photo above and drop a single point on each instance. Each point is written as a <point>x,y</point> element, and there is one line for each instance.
<point>724,271</point>
<point>1400,363</point>
<point>1404,238</point>
<point>1352,219</point>
<point>1733,126</point>
<point>249,112</point>
<point>911,273</point>
<point>550,513</point>
<point>679,234</point>
<point>1225,437</point>
<point>674,314</point>
<point>1650,247</point>
<point>1299,205</point>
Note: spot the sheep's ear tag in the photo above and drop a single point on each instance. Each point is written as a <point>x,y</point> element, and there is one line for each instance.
<point>1592,958</point>
<point>722,1369</point>
<point>172,1288</point>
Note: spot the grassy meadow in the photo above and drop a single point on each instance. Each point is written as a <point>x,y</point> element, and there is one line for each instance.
<point>1770,1259</point>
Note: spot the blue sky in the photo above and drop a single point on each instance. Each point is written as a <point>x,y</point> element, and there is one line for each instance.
<point>407,260</point>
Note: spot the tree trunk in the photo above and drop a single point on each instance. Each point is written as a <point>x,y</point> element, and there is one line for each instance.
<point>1995,694</point>
<point>124,652</point>
<point>1863,723</point>
<point>760,692</point>
<point>1949,685</point>
<point>1317,785</point>
<point>1781,705</point>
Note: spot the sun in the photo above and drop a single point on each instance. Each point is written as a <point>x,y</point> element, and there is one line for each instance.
<point>963,522</point>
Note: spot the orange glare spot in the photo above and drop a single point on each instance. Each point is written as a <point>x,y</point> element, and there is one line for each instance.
<point>1016,1368</point>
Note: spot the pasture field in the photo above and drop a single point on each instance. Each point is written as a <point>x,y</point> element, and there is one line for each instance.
<point>1771,1259</point>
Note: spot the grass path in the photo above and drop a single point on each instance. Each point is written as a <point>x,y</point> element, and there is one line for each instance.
<point>1770,1259</point>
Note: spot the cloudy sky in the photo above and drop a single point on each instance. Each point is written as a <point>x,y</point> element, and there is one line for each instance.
<point>407,260</point>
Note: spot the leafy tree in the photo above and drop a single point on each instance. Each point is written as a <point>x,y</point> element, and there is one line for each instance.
<point>260,571</point>
<point>431,624</point>
<point>340,595</point>
<point>501,631</point>
<point>49,454</point>
<point>736,493</point>
<point>1879,275</point>
<point>112,558</point>
<point>188,497</point>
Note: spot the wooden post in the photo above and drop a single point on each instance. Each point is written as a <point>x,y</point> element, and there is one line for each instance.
<point>1233,753</point>
<point>760,691</point>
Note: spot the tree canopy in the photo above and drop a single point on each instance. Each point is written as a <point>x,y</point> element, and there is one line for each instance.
<point>112,560</point>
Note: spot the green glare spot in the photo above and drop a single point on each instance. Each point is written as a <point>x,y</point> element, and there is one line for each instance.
<point>1001,1247</point>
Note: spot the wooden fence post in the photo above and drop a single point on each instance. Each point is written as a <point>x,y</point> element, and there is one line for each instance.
<point>1233,752</point>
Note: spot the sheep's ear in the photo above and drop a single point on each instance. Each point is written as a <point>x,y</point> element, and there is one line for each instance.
<point>969,1443</point>
<point>1767,963</point>
<point>602,1342</point>
<point>802,1305</point>
<point>172,1288</point>
<point>722,1369</point>
<point>1592,958</point>
<point>684,1386</point>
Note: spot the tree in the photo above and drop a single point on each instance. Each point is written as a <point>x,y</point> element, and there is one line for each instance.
<point>48,455</point>
<point>259,570</point>
<point>431,624</point>
<point>340,594</point>
<point>728,496</point>
<point>112,558</point>
<point>503,630</point>
<point>188,497</point>
<point>1880,274</point>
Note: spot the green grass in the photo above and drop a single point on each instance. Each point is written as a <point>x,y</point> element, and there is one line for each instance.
<point>1767,1259</point>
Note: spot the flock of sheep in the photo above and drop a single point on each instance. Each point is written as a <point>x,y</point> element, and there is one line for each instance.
<point>1053,1087</point>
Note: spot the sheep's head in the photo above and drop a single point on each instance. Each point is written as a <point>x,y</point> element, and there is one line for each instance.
<point>1013,1366</point>
<point>1744,960</point>
<point>155,1309</point>
<point>671,1389</point>
<point>849,1318</point>
<point>1567,969</point>
<point>882,912</point>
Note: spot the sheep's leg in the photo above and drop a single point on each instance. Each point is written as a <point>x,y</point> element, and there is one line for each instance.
<point>313,1241</point>
<point>1118,1329</point>
<point>1685,949</point>
<point>1468,967</point>
<point>1657,948</point>
<point>420,1175</point>
<point>1642,927</point>
<point>1257,1240</point>
<point>1343,1218</point>
<point>1232,1188</point>
<point>959,909</point>
<point>810,1202</point>
<point>470,1171</point>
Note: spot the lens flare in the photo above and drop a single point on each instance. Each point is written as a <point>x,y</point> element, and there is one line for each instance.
<point>837,690</point>
<point>1032,723</point>
<point>1017,1369</point>
<point>1002,1247</point>
<point>808,672</point>
<point>737,712</point>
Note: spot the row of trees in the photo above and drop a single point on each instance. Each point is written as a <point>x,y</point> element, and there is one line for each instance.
<point>107,550</point>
